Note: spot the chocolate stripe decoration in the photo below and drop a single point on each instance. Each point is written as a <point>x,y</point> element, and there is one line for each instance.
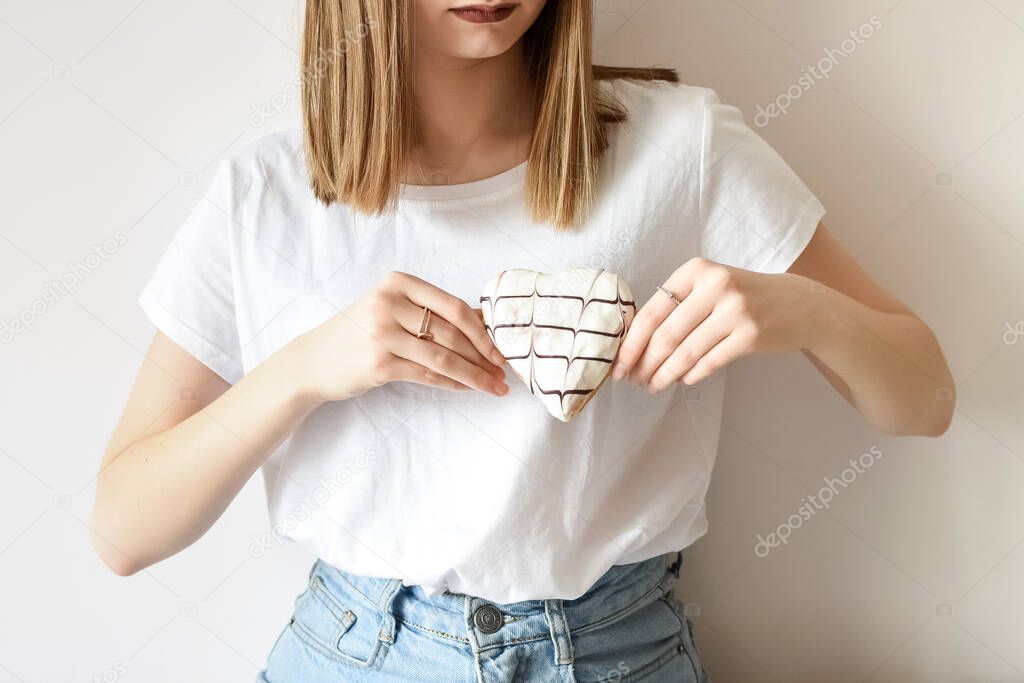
<point>559,332</point>
<point>552,327</point>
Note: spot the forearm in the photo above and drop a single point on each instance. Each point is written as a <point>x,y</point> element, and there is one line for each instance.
<point>888,365</point>
<point>164,491</point>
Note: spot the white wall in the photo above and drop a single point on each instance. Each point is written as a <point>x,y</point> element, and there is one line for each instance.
<point>112,111</point>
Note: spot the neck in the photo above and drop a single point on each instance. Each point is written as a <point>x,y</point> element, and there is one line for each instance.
<point>473,118</point>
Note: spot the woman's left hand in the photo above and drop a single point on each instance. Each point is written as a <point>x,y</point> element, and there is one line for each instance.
<point>724,313</point>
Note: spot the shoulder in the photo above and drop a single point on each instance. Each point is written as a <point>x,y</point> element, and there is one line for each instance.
<point>666,124</point>
<point>652,104</point>
<point>669,119</point>
<point>263,191</point>
<point>274,160</point>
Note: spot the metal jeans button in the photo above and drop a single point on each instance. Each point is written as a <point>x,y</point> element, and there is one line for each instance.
<point>488,619</point>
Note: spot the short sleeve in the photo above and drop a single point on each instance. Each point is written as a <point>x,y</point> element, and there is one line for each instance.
<point>190,297</point>
<point>755,212</point>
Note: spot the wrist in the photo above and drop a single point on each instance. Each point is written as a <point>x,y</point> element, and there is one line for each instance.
<point>296,363</point>
<point>819,319</point>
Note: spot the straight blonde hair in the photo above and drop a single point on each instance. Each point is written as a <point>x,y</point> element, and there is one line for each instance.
<point>356,105</point>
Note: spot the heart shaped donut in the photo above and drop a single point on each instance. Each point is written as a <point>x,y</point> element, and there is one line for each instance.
<point>559,331</point>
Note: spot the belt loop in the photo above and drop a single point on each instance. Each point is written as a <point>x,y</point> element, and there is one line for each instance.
<point>559,632</point>
<point>469,605</point>
<point>387,597</point>
<point>677,565</point>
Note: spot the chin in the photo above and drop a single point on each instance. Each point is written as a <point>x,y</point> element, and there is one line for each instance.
<point>479,49</point>
<point>480,42</point>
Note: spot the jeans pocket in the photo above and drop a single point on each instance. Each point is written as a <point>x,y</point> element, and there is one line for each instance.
<point>647,644</point>
<point>343,628</point>
<point>698,661</point>
<point>689,642</point>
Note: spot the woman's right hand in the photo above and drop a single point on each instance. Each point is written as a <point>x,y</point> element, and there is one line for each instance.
<point>374,342</point>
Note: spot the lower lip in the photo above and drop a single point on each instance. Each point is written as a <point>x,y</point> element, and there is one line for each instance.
<point>476,16</point>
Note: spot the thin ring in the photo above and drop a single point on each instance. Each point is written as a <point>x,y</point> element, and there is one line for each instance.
<point>424,332</point>
<point>670,295</point>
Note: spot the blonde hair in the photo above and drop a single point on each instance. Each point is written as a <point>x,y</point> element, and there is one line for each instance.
<point>356,105</point>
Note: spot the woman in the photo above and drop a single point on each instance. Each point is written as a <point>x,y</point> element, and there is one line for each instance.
<point>464,534</point>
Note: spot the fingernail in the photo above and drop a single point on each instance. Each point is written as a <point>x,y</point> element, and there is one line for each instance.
<point>501,389</point>
<point>617,373</point>
<point>497,358</point>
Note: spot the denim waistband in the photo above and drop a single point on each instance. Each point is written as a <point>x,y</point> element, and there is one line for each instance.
<point>453,616</point>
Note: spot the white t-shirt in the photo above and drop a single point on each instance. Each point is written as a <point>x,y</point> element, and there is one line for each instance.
<point>475,494</point>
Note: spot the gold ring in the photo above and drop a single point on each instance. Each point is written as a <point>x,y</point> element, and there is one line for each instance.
<point>670,295</point>
<point>424,332</point>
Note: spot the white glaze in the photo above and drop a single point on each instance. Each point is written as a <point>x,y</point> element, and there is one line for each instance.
<point>559,331</point>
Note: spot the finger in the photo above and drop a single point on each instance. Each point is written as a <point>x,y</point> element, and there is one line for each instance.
<point>410,316</point>
<point>650,316</point>
<point>645,322</point>
<point>455,311</point>
<point>479,313</point>
<point>670,334</point>
<point>724,352</point>
<point>404,370</point>
<point>689,352</point>
<point>444,361</point>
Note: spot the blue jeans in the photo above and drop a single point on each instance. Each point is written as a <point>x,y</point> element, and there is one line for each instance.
<point>627,627</point>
